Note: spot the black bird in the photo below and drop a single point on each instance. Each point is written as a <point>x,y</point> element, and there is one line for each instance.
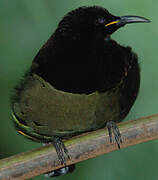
<point>80,80</point>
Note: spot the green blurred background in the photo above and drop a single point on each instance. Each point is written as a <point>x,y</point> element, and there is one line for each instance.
<point>26,25</point>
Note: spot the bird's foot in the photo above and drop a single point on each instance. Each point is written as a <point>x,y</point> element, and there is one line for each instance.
<point>60,149</point>
<point>112,128</point>
<point>61,171</point>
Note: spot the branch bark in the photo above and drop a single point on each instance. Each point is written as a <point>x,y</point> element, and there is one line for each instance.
<point>35,162</point>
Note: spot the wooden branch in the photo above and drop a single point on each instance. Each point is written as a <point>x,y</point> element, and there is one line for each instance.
<point>89,145</point>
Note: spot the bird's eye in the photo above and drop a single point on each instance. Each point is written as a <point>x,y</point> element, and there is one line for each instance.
<point>101,20</point>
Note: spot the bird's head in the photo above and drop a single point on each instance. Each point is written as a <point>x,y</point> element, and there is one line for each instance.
<point>93,21</point>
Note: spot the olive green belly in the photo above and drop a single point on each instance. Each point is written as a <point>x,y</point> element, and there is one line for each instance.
<point>52,112</point>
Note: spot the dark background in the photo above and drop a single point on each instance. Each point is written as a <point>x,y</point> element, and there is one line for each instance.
<point>25,26</point>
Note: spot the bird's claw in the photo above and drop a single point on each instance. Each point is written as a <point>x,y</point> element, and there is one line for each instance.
<point>112,128</point>
<point>61,171</point>
<point>61,151</point>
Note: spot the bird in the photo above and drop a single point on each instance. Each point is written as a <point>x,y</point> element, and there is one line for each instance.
<point>81,80</point>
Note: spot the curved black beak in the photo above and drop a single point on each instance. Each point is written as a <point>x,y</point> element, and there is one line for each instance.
<point>131,19</point>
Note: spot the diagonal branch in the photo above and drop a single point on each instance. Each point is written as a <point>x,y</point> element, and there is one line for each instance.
<point>89,145</point>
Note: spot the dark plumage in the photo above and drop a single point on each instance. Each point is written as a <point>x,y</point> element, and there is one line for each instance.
<point>80,80</point>
<point>77,56</point>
